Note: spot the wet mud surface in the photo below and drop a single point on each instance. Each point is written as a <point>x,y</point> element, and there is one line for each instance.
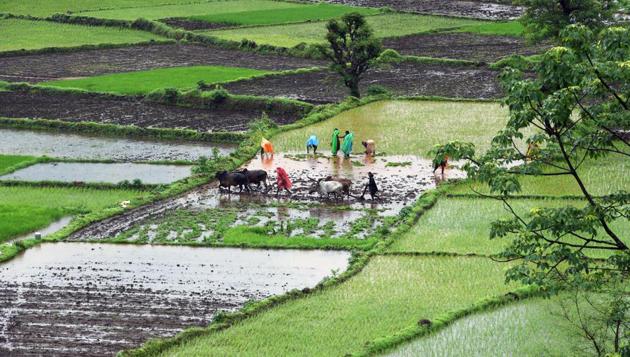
<point>399,186</point>
<point>132,111</point>
<point>101,173</point>
<point>193,25</point>
<point>74,299</point>
<point>406,78</point>
<point>50,66</point>
<point>458,8</point>
<point>464,46</point>
<point>41,143</point>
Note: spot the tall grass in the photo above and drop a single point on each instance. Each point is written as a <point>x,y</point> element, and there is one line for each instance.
<point>26,34</point>
<point>406,127</point>
<point>143,82</point>
<point>7,162</point>
<point>17,220</point>
<point>387,25</point>
<point>390,294</point>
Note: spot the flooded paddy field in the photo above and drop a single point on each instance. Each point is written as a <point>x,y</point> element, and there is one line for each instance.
<point>406,78</point>
<point>69,299</point>
<point>132,111</point>
<point>208,215</point>
<point>101,173</point>
<point>86,63</point>
<point>459,8</point>
<point>42,143</point>
<point>464,46</point>
<point>50,229</point>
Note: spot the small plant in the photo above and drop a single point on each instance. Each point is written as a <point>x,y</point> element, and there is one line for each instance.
<point>377,89</point>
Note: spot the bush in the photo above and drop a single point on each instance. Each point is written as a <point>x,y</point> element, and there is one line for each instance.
<point>245,43</point>
<point>377,89</point>
<point>389,56</point>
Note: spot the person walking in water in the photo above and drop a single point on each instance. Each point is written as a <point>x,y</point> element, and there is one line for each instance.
<point>370,147</point>
<point>334,144</point>
<point>266,147</point>
<point>312,143</point>
<point>283,180</point>
<point>346,147</point>
<point>371,186</point>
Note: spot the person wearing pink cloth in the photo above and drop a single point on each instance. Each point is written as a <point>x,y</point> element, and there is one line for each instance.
<point>283,180</point>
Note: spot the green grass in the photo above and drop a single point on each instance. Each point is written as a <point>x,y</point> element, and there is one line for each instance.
<point>143,82</point>
<point>391,293</point>
<point>388,25</point>
<point>602,176</point>
<point>406,127</point>
<point>45,8</point>
<point>301,13</point>
<point>508,28</point>
<point>8,162</point>
<point>25,209</point>
<point>530,328</point>
<point>28,35</point>
<point>462,225</point>
<point>191,9</point>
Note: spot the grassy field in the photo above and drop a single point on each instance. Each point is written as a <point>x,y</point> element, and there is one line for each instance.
<point>142,82</point>
<point>296,14</point>
<point>190,9</point>
<point>601,177</point>
<point>388,25</point>
<point>509,28</point>
<point>28,35</point>
<point>391,293</point>
<point>44,8</point>
<point>25,209</point>
<point>529,328</point>
<point>391,124</point>
<point>9,161</point>
<point>462,225</point>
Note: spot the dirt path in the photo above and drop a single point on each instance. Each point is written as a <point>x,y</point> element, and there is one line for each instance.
<point>49,66</point>
<point>403,79</point>
<point>459,8</point>
<point>130,110</point>
<point>465,46</point>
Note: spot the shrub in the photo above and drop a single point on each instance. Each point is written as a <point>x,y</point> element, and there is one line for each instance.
<point>376,89</point>
<point>389,56</point>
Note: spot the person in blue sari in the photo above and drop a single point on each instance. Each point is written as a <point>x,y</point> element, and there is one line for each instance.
<point>312,143</point>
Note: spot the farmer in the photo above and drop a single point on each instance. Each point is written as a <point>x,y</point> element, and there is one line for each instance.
<point>334,144</point>
<point>346,147</point>
<point>442,164</point>
<point>370,147</point>
<point>283,181</point>
<point>312,143</point>
<point>371,186</point>
<point>266,147</point>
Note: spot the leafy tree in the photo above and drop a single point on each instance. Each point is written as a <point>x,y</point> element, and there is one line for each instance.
<point>546,18</point>
<point>353,48</point>
<point>575,109</point>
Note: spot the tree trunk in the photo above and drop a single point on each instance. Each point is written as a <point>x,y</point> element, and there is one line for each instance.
<point>353,85</point>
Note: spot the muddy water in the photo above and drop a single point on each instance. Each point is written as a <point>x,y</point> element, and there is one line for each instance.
<point>94,299</point>
<point>50,229</point>
<point>99,173</point>
<point>71,146</point>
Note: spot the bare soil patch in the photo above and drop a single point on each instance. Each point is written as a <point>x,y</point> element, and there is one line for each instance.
<point>49,66</point>
<point>132,110</point>
<point>459,8</point>
<point>406,78</point>
<point>193,25</point>
<point>73,299</point>
<point>464,46</point>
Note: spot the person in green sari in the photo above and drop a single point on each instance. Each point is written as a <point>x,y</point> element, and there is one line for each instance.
<point>346,147</point>
<point>334,144</point>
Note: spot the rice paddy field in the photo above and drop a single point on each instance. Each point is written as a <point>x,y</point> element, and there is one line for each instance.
<point>9,162</point>
<point>47,8</point>
<point>143,82</point>
<point>28,35</point>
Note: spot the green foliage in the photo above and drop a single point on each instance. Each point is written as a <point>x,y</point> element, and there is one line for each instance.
<point>16,220</point>
<point>547,18</point>
<point>507,28</point>
<point>26,34</point>
<point>143,82</point>
<point>377,89</point>
<point>578,102</point>
<point>10,163</point>
<point>353,49</point>
<point>299,13</point>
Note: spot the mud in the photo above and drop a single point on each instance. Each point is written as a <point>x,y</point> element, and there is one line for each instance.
<point>458,8</point>
<point>193,25</point>
<point>133,111</point>
<point>399,186</point>
<point>50,66</point>
<point>70,299</point>
<point>40,143</point>
<point>464,46</point>
<point>406,78</point>
<point>101,173</point>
